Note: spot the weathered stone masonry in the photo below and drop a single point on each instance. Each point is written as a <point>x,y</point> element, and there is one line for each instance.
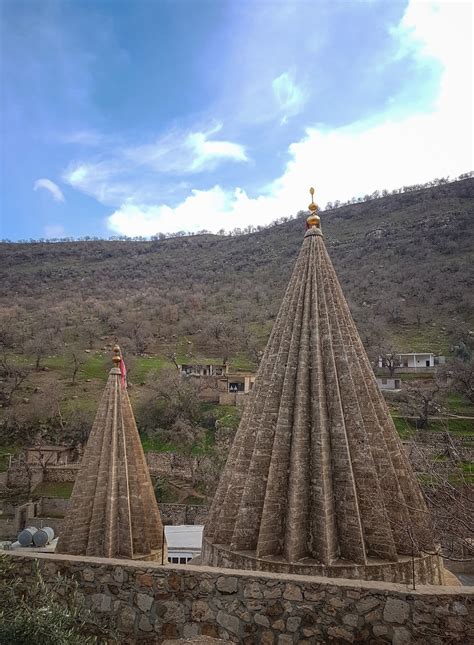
<point>317,479</point>
<point>150,603</point>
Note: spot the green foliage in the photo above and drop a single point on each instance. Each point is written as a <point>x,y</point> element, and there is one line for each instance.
<point>5,452</point>
<point>54,489</point>
<point>404,428</point>
<point>204,446</point>
<point>213,415</point>
<point>166,493</point>
<point>32,611</point>
<point>157,443</point>
<point>96,367</point>
<point>144,365</point>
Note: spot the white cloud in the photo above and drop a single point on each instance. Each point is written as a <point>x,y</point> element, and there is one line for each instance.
<point>385,152</point>
<point>103,180</point>
<point>54,230</point>
<point>181,152</point>
<point>51,187</point>
<point>208,152</point>
<point>130,173</point>
<point>289,96</point>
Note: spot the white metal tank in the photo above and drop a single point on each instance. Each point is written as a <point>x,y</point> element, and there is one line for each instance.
<point>43,536</point>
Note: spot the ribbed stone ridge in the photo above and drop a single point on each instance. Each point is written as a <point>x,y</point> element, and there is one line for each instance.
<point>317,473</point>
<point>113,511</point>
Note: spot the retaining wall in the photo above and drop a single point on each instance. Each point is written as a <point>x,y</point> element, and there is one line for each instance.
<point>149,603</point>
<point>170,464</point>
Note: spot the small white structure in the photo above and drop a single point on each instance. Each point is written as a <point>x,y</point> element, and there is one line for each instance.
<point>183,542</point>
<point>417,360</point>
<point>202,369</point>
<point>414,361</point>
<point>388,383</point>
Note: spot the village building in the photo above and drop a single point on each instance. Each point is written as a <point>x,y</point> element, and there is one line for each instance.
<point>46,455</point>
<point>317,481</point>
<point>113,511</point>
<point>202,369</point>
<point>217,383</point>
<point>388,383</point>
<point>234,388</point>
<point>414,361</point>
<point>183,542</point>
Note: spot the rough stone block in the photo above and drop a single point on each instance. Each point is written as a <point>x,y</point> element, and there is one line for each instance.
<point>226,584</point>
<point>396,611</point>
<point>401,636</point>
<point>144,624</point>
<point>292,592</point>
<point>144,601</point>
<point>230,623</point>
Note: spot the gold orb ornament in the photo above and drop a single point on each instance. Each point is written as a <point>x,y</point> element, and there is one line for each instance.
<point>116,358</point>
<point>313,219</point>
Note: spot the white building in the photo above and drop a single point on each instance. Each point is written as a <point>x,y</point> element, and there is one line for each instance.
<point>416,360</point>
<point>388,383</point>
<point>183,542</point>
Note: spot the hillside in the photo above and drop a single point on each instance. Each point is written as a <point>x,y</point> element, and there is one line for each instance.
<point>404,262</point>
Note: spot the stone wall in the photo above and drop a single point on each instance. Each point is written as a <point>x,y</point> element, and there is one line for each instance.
<point>176,514</point>
<point>53,522</point>
<point>7,528</point>
<point>50,510</point>
<point>170,464</point>
<point>149,603</point>
<point>53,506</point>
<point>61,473</point>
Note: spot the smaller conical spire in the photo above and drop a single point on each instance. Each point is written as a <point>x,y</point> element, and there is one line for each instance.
<point>113,511</point>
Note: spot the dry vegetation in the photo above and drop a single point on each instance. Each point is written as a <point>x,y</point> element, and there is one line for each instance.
<point>404,262</point>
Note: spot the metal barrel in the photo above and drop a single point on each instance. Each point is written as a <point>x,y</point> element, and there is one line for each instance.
<point>43,536</point>
<point>25,537</point>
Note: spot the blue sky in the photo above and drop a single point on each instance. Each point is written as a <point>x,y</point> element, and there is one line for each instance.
<point>123,117</point>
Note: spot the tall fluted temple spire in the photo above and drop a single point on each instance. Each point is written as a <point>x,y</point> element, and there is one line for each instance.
<point>317,481</point>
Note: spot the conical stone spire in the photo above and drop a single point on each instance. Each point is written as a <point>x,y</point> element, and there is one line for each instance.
<point>113,511</point>
<point>317,481</point>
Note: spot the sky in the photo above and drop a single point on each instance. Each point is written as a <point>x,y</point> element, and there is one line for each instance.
<point>123,117</point>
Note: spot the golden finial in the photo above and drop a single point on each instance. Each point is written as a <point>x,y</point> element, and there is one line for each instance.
<point>313,219</point>
<point>116,358</point>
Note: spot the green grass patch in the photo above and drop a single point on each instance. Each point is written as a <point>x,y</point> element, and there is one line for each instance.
<point>404,428</point>
<point>226,415</point>
<point>144,365</point>
<point>157,444</point>
<point>241,364</point>
<point>198,360</point>
<point>459,404</point>
<point>55,362</point>
<point>205,446</point>
<point>425,338</point>
<point>414,376</point>
<point>96,367</point>
<point>461,427</point>
<point>54,489</point>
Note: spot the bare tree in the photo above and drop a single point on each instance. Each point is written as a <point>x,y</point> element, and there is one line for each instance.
<point>461,375</point>
<point>42,344</point>
<point>421,402</point>
<point>76,361</point>
<point>12,377</point>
